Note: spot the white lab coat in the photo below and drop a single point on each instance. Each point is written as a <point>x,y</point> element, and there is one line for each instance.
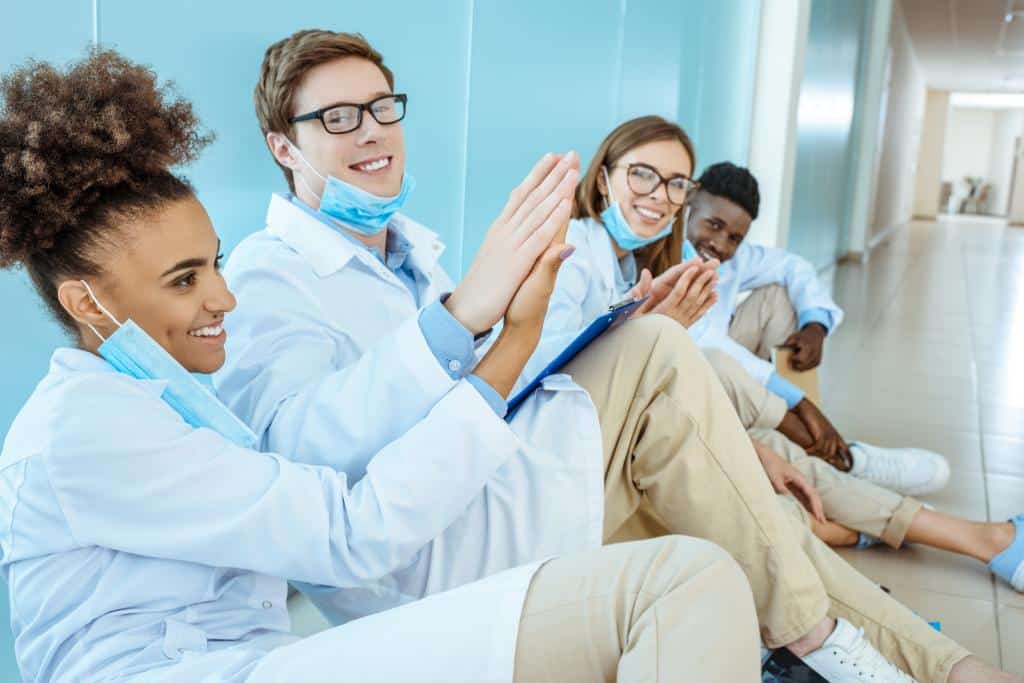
<point>135,545</point>
<point>327,363</point>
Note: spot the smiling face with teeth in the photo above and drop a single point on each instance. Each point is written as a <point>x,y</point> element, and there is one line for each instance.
<point>165,276</point>
<point>372,157</point>
<point>649,214</point>
<point>716,226</point>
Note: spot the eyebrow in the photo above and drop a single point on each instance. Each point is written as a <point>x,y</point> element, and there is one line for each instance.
<point>372,96</point>
<point>188,263</point>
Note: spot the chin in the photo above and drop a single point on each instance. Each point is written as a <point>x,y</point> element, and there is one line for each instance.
<point>209,364</point>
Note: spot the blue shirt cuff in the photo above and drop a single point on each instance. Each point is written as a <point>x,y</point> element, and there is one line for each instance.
<point>450,342</point>
<point>789,392</point>
<point>815,315</point>
<point>493,398</point>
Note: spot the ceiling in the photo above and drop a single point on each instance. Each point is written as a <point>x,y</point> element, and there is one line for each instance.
<point>967,44</point>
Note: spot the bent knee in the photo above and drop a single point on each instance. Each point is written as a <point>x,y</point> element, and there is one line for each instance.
<point>689,555</point>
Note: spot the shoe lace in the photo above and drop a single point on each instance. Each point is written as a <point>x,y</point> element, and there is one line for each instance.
<point>868,662</point>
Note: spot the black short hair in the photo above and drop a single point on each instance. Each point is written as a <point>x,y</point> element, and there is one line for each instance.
<point>735,183</point>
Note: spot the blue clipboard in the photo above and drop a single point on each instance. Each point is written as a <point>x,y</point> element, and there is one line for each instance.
<point>615,316</point>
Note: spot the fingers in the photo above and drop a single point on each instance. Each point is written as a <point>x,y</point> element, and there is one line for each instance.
<point>812,499</point>
<point>643,286</point>
<point>553,187</point>
<point>544,235</point>
<point>671,301</point>
<point>565,189</point>
<point>536,175</point>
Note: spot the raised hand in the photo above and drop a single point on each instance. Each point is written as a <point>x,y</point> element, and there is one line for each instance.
<point>524,319</point>
<point>684,292</point>
<point>534,217</point>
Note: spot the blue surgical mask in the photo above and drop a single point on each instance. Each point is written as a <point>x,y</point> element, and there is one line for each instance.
<point>619,229</point>
<point>688,251</point>
<point>359,210</point>
<point>134,353</point>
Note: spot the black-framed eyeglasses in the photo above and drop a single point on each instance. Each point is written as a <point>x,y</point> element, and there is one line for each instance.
<point>345,117</point>
<point>644,180</point>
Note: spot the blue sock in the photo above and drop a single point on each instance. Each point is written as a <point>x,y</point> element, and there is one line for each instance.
<point>1009,564</point>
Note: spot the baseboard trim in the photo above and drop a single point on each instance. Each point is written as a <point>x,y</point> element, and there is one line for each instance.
<point>883,236</point>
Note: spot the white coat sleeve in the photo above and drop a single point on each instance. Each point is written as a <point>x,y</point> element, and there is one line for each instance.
<point>310,398</point>
<point>130,475</point>
<point>757,266</point>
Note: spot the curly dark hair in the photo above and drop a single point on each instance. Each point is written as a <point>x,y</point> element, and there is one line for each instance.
<point>732,182</point>
<point>81,151</point>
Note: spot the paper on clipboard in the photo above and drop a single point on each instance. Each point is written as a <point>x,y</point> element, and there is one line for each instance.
<point>615,316</point>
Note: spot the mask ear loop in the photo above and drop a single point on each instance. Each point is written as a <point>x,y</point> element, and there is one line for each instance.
<point>102,309</point>
<point>297,152</point>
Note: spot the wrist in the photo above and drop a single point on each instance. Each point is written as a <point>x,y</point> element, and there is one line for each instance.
<point>815,328</point>
<point>461,311</point>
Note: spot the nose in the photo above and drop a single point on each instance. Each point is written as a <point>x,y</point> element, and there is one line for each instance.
<point>220,299</point>
<point>369,132</point>
<point>660,193</point>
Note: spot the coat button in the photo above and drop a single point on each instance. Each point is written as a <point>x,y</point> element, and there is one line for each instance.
<point>267,604</point>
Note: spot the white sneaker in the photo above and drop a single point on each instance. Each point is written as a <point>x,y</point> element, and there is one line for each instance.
<point>848,657</point>
<point>908,471</point>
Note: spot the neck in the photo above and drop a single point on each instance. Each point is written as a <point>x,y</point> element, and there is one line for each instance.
<point>619,251</point>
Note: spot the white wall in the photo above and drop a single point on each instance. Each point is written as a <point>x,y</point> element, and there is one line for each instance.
<point>868,127</point>
<point>928,184</point>
<point>903,122</point>
<point>1017,202</point>
<point>968,144</point>
<point>780,70</point>
<point>1008,125</point>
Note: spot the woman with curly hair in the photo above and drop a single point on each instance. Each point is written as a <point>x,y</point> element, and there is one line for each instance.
<point>141,533</point>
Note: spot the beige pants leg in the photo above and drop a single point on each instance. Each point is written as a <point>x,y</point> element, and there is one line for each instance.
<point>756,407</point>
<point>764,320</point>
<point>672,438</point>
<point>670,609</point>
<point>854,503</point>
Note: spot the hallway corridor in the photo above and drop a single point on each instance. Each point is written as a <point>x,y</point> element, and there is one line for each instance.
<point>932,355</point>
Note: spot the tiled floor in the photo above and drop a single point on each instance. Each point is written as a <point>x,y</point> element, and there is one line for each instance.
<point>932,354</point>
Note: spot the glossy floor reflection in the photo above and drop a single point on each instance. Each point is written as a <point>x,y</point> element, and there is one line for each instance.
<point>932,354</point>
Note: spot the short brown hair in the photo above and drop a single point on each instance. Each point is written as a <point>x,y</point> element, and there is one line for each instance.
<point>663,254</point>
<point>285,64</point>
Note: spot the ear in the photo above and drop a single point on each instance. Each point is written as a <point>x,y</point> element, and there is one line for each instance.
<point>281,148</point>
<point>602,184</point>
<point>75,299</point>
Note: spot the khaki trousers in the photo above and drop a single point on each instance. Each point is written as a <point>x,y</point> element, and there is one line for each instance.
<point>764,320</point>
<point>668,609</point>
<point>849,501</point>
<point>674,444</point>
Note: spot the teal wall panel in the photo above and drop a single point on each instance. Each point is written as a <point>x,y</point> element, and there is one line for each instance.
<point>54,30</point>
<point>823,177</point>
<point>492,86</point>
